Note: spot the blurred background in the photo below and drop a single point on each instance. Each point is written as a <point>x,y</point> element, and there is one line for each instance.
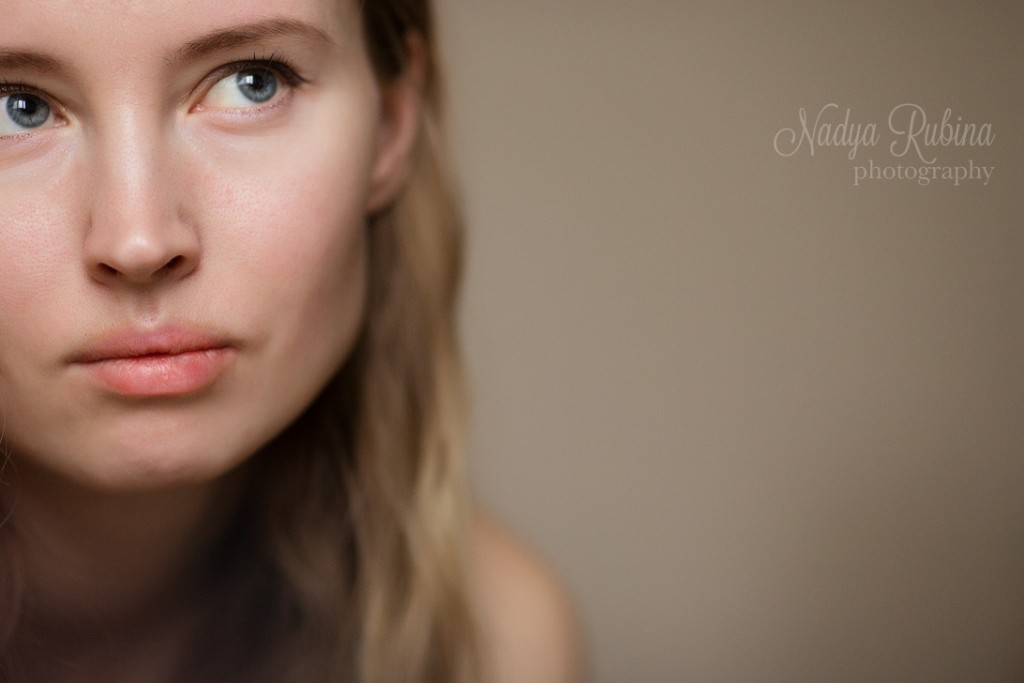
<point>767,423</point>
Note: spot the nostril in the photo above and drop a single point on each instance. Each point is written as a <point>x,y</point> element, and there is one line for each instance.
<point>108,270</point>
<point>173,264</point>
<point>172,268</point>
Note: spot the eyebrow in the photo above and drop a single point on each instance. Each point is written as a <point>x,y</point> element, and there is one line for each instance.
<point>239,36</point>
<point>28,60</point>
<point>215,41</point>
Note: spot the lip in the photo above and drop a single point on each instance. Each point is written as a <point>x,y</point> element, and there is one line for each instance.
<point>170,361</point>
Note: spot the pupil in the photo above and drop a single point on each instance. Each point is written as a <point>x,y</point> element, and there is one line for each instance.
<point>27,111</point>
<point>258,85</point>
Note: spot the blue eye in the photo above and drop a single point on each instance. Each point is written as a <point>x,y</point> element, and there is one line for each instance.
<point>257,85</point>
<point>245,88</point>
<point>22,111</point>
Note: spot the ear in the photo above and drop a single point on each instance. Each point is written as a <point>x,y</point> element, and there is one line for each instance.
<point>401,110</point>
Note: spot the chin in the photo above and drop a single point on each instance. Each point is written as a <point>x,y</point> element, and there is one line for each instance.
<point>141,455</point>
<point>147,445</point>
<point>152,467</point>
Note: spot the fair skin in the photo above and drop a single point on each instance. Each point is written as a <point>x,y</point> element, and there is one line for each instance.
<point>528,627</point>
<point>183,196</point>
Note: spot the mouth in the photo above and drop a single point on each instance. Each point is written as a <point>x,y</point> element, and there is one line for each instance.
<point>165,362</point>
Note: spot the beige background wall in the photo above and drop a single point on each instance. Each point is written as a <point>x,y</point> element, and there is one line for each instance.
<point>768,424</point>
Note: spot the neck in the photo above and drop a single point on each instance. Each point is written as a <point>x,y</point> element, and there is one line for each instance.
<point>114,571</point>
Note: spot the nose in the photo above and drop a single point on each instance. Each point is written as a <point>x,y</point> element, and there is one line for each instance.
<point>137,234</point>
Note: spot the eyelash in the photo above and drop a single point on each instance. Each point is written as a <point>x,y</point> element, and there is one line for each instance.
<point>272,62</point>
<point>276,64</point>
<point>7,88</point>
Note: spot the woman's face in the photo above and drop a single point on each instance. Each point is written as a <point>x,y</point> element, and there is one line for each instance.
<point>184,186</point>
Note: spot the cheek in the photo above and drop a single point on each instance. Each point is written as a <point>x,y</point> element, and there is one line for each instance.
<point>283,224</point>
<point>285,207</point>
<point>291,244</point>
<point>34,249</point>
<point>39,256</point>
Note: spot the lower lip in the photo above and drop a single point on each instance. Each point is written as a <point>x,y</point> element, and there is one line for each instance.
<point>177,374</point>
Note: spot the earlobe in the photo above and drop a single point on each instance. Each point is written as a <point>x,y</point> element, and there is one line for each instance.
<point>401,111</point>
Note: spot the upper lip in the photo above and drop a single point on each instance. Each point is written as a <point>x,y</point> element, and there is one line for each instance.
<point>134,343</point>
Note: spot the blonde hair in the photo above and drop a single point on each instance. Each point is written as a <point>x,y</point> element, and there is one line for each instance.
<point>376,520</point>
<point>346,561</point>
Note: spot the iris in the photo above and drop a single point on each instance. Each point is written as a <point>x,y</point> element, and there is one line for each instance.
<point>27,110</point>
<point>257,85</point>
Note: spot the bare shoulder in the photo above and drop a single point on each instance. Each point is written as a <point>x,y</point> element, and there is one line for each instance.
<point>529,629</point>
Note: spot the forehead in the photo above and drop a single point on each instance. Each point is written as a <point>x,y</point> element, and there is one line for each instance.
<point>131,30</point>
